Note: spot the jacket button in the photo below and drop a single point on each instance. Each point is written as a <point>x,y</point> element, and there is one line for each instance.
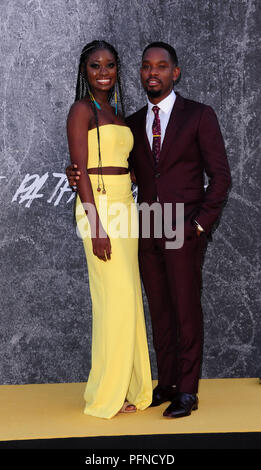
<point>157,175</point>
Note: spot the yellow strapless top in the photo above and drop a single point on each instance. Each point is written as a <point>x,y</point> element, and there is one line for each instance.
<point>116,142</point>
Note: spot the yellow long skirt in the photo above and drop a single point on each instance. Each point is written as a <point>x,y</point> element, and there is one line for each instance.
<point>120,359</point>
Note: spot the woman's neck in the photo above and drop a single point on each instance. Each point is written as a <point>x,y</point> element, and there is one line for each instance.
<point>101,97</point>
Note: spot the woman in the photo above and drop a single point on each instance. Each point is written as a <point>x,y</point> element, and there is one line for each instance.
<point>99,143</point>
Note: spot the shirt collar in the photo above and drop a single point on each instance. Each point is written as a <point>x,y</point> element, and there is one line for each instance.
<point>166,104</point>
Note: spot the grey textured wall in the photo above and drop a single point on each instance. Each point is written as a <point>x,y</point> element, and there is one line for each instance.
<point>45,304</point>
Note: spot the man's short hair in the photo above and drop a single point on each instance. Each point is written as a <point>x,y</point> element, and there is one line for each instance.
<point>167,47</point>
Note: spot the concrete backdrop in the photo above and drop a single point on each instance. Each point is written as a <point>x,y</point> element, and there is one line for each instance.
<point>45,302</point>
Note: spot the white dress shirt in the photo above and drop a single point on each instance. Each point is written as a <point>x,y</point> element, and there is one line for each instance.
<point>165,106</point>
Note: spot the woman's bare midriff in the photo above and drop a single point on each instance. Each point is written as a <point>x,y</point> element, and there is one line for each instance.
<point>108,170</point>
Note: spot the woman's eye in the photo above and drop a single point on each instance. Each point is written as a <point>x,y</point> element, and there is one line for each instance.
<point>111,65</point>
<point>94,66</point>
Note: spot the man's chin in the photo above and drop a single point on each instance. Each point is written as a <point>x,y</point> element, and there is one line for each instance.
<point>153,93</point>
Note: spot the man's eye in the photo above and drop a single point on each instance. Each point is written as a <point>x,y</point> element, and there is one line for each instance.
<point>145,67</point>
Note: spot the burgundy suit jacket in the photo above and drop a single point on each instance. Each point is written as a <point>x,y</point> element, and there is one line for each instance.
<point>193,144</point>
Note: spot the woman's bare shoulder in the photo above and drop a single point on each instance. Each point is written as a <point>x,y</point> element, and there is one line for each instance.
<point>80,109</point>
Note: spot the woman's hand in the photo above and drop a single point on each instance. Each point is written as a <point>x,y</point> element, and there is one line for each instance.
<point>101,245</point>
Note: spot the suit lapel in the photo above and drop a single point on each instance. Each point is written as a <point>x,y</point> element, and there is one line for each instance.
<point>175,122</point>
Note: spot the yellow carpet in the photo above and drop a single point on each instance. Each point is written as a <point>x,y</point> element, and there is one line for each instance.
<point>55,411</point>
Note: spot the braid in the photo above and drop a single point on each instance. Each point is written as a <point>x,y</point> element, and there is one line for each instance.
<point>81,87</point>
<point>120,90</point>
<point>99,150</point>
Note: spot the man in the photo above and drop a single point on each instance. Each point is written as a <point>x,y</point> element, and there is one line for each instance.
<point>176,140</point>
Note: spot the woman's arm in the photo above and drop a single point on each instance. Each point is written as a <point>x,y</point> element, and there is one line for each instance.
<point>77,133</point>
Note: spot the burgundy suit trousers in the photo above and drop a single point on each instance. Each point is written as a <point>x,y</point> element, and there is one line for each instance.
<point>172,280</point>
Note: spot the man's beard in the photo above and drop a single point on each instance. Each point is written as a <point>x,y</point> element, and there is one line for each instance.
<point>153,93</point>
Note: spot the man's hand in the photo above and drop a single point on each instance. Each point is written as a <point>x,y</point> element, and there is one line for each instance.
<point>133,177</point>
<point>73,175</point>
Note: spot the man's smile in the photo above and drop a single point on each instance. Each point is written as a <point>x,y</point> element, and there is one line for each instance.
<point>153,81</point>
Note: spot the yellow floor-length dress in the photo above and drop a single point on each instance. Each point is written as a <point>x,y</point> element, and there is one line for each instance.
<point>120,359</point>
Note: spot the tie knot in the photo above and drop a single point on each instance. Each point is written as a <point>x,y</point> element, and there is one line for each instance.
<point>156,109</point>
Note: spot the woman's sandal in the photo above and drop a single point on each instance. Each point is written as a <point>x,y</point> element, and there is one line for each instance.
<point>126,405</point>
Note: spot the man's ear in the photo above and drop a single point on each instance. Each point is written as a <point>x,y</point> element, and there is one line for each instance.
<point>176,75</point>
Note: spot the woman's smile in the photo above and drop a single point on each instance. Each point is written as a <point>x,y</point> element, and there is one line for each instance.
<point>104,81</point>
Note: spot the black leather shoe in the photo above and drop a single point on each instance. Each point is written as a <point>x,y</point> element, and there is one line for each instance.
<point>162,394</point>
<point>182,405</point>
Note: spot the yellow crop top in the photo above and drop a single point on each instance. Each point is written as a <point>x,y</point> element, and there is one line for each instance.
<point>116,142</point>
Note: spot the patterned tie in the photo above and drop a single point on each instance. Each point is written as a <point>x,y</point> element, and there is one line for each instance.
<point>156,132</point>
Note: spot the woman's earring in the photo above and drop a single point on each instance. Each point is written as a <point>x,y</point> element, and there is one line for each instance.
<point>116,101</point>
<point>94,100</point>
<point>91,95</point>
